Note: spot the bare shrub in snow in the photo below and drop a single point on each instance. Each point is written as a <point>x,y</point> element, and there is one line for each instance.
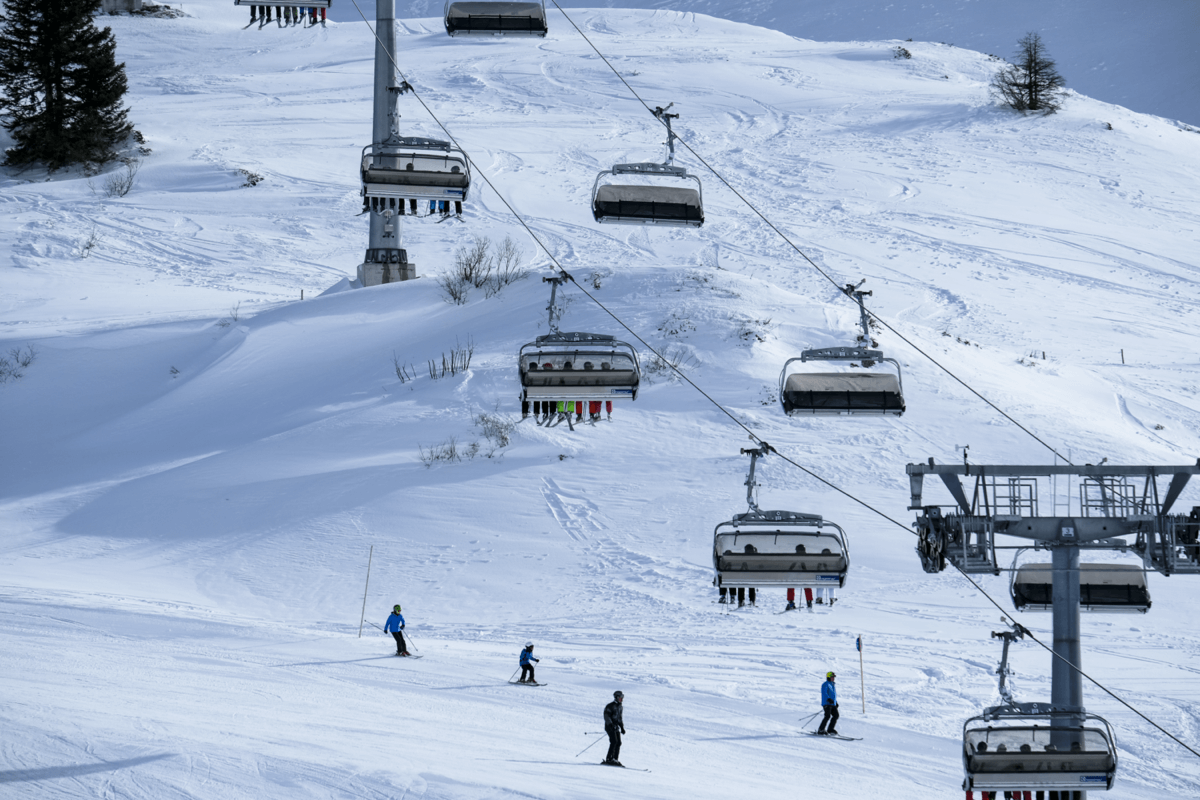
<point>476,265</point>
<point>667,363</point>
<point>446,452</point>
<point>752,330</point>
<point>235,311</point>
<point>901,52</point>
<point>88,243</point>
<point>455,289</point>
<point>13,365</point>
<point>505,267</point>
<point>473,263</point>
<point>406,374</point>
<point>458,361</point>
<point>121,183</point>
<point>497,429</point>
<point>252,178</point>
<point>1032,82</point>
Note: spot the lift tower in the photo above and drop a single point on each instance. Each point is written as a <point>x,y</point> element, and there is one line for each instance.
<point>385,260</point>
<point>1059,746</point>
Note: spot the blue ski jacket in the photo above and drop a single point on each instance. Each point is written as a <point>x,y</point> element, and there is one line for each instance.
<point>526,657</point>
<point>395,622</point>
<point>828,694</point>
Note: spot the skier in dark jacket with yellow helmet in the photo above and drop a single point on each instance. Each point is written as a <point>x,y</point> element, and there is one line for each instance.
<point>829,705</point>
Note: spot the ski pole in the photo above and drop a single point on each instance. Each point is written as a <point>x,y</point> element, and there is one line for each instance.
<point>510,677</point>
<point>806,720</point>
<point>589,747</point>
<point>373,625</point>
<point>408,636</point>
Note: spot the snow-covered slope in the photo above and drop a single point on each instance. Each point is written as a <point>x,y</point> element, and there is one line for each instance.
<point>1140,55</point>
<point>189,499</point>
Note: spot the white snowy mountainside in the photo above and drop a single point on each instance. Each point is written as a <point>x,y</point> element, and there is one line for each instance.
<point>1143,56</point>
<point>197,463</point>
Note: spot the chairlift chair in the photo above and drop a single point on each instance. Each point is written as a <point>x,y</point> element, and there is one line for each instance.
<point>866,391</point>
<point>287,3</point>
<point>1106,588</point>
<point>778,548</point>
<point>414,169</point>
<point>577,366</point>
<point>656,204</point>
<point>1031,746</point>
<point>476,18</point>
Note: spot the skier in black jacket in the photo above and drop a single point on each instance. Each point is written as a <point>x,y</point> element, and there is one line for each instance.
<point>612,723</point>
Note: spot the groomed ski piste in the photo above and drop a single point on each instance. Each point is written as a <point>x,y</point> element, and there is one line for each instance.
<point>188,498</point>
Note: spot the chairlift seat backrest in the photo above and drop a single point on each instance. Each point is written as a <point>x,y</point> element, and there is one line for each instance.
<point>478,18</point>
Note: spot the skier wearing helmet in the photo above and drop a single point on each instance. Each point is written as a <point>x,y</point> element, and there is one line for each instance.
<point>394,626</point>
<point>526,666</point>
<point>613,721</point>
<point>829,705</point>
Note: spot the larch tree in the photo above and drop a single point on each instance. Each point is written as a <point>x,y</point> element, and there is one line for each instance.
<point>61,85</point>
<point>1031,82</point>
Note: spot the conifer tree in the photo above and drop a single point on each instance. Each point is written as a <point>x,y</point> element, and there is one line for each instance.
<point>62,86</point>
<point>1032,83</point>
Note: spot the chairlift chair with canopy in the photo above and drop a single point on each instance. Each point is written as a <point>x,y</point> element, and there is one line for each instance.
<point>1105,588</point>
<point>778,548</point>
<point>871,390</point>
<point>1024,747</point>
<point>660,203</point>
<point>287,3</point>
<point>477,18</point>
<point>1034,747</point>
<point>414,169</point>
<point>577,366</point>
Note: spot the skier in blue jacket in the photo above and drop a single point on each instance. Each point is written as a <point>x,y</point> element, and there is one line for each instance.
<point>394,626</point>
<point>829,705</point>
<point>526,665</point>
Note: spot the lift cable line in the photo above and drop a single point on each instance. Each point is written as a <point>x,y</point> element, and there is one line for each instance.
<point>795,247</point>
<point>708,397</point>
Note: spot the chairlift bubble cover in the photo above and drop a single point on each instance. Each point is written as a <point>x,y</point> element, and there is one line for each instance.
<point>820,393</point>
<point>648,205</point>
<point>478,18</point>
<point>1106,588</point>
<point>643,204</point>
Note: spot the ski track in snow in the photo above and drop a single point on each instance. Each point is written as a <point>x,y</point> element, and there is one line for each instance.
<point>185,550</point>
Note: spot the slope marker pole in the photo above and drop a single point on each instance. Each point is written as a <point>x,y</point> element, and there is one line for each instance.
<point>862,680</point>
<point>370,555</point>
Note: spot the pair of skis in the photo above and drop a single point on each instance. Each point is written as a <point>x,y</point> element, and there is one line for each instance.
<point>526,683</point>
<point>835,736</point>
<point>622,766</point>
